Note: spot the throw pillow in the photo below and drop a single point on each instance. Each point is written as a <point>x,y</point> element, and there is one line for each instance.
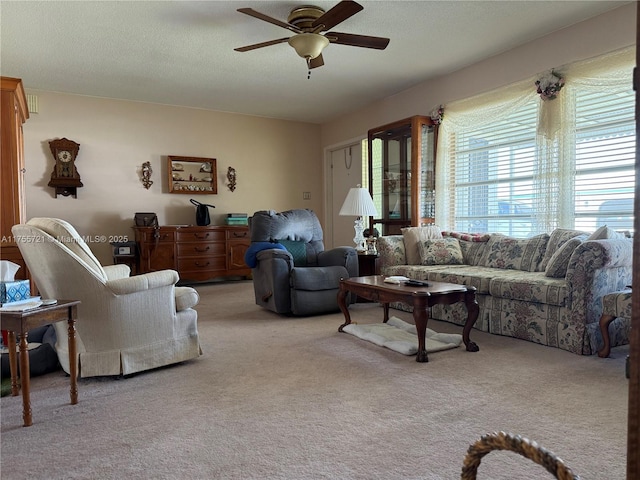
<point>557,266</point>
<point>413,236</point>
<point>469,237</point>
<point>472,245</point>
<point>297,249</point>
<point>604,233</point>
<point>445,251</point>
<point>557,238</point>
<point>515,253</point>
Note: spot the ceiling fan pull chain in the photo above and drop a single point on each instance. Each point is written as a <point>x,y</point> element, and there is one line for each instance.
<point>308,68</point>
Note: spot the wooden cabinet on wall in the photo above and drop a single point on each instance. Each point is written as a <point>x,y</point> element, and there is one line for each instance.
<point>14,112</point>
<point>402,173</point>
<point>196,253</point>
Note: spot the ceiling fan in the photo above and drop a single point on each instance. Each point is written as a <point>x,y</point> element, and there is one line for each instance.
<point>308,22</point>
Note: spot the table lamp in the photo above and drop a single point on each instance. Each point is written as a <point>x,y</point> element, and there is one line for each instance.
<point>360,204</point>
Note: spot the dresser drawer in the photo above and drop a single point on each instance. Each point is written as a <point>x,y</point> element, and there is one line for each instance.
<point>201,249</point>
<point>202,263</point>
<point>148,235</point>
<point>237,233</point>
<point>201,236</point>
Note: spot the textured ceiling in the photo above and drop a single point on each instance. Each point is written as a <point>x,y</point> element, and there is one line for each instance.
<point>181,52</point>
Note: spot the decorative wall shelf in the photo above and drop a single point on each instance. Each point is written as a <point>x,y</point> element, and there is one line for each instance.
<point>192,175</point>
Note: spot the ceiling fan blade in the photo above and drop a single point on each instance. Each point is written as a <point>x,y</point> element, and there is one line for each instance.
<point>339,13</point>
<point>251,12</point>
<point>379,43</point>
<point>260,45</point>
<point>316,62</point>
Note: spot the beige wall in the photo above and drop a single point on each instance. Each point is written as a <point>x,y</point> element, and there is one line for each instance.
<point>275,162</point>
<point>610,31</point>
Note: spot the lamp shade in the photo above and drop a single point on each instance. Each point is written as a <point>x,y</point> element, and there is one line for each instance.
<point>308,45</point>
<point>358,203</point>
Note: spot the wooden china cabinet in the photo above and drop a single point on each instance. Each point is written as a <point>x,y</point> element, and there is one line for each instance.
<point>402,173</point>
<point>13,112</point>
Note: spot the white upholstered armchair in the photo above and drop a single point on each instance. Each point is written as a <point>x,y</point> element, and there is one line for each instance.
<point>125,324</point>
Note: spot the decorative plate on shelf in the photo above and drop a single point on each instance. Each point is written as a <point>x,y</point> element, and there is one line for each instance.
<point>177,167</point>
<point>205,167</point>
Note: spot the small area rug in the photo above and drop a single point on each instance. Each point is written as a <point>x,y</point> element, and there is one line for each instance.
<point>401,336</point>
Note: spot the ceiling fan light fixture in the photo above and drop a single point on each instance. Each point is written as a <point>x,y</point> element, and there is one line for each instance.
<point>308,45</point>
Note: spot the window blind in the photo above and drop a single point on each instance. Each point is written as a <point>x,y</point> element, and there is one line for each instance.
<point>496,167</point>
<point>605,160</point>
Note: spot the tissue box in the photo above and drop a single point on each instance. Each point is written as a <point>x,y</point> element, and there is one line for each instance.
<point>14,291</point>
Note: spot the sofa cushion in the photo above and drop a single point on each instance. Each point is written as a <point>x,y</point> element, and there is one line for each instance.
<point>532,287</point>
<point>391,251</point>
<point>604,233</point>
<point>472,245</point>
<point>413,236</point>
<point>500,283</point>
<point>515,253</point>
<point>557,266</point>
<point>472,252</point>
<point>617,304</point>
<point>557,238</point>
<point>479,277</point>
<point>445,251</point>
<point>417,272</point>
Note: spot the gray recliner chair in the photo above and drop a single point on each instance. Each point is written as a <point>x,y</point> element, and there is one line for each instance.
<point>292,273</point>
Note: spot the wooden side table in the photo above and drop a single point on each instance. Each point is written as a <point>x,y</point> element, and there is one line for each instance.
<point>21,323</point>
<point>367,264</point>
<point>126,253</point>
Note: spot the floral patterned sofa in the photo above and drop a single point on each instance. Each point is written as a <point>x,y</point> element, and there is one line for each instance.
<point>546,289</point>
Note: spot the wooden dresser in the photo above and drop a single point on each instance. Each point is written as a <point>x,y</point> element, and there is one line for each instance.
<point>197,253</point>
<point>14,112</point>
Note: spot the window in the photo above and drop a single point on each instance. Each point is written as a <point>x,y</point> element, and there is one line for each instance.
<point>494,175</point>
<point>605,161</point>
<point>513,167</point>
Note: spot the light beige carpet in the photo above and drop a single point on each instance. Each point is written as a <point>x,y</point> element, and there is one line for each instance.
<point>277,397</point>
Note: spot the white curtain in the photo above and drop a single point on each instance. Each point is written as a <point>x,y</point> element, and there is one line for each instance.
<point>609,74</point>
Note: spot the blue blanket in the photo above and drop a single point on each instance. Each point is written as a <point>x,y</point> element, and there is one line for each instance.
<point>255,247</point>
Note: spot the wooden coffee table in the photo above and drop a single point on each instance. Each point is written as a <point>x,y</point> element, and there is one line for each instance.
<point>420,298</point>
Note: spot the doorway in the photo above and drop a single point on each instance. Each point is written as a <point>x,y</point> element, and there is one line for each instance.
<point>344,171</point>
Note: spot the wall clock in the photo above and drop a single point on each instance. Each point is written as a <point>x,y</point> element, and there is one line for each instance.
<point>65,177</point>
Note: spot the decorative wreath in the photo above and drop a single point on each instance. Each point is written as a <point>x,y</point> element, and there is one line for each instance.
<point>437,115</point>
<point>549,85</point>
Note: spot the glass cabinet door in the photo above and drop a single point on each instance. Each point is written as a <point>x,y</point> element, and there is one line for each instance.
<point>402,174</point>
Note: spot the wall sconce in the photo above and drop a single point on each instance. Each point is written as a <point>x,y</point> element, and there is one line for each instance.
<point>231,177</point>
<point>146,175</point>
